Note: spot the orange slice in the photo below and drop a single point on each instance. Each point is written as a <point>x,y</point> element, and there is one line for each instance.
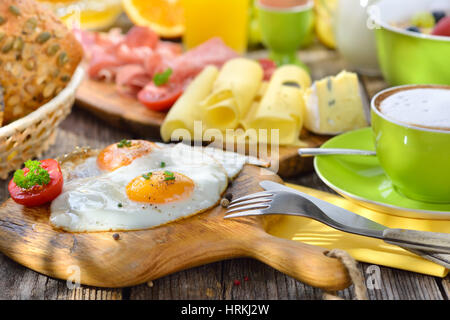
<point>165,17</point>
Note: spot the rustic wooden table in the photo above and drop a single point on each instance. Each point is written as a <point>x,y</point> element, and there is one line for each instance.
<point>216,280</point>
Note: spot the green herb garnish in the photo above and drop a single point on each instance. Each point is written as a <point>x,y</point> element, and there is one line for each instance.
<point>36,176</point>
<point>119,205</point>
<point>124,143</point>
<point>168,175</point>
<point>163,164</point>
<point>162,78</point>
<point>147,176</point>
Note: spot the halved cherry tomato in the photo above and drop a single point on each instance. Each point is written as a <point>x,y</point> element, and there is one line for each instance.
<point>160,98</point>
<point>37,194</point>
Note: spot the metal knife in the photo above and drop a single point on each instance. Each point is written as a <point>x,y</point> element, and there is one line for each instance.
<point>363,226</point>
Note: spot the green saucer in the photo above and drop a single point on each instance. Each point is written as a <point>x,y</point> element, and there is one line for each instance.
<point>361,179</point>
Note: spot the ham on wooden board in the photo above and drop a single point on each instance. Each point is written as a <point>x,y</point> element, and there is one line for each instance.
<point>132,60</point>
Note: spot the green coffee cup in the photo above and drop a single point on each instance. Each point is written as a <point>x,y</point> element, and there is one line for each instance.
<point>415,158</point>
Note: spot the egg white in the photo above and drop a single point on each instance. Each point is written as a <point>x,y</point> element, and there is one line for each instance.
<point>92,203</point>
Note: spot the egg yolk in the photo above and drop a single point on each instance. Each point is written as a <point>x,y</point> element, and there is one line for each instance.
<point>123,153</point>
<point>160,187</point>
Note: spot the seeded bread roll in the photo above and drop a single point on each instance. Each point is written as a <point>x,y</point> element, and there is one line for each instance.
<point>38,56</point>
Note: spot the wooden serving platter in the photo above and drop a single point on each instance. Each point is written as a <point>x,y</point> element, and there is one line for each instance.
<point>126,113</point>
<point>139,256</point>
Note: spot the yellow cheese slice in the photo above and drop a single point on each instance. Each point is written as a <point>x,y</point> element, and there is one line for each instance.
<point>187,108</point>
<point>233,92</point>
<point>334,105</point>
<point>281,107</point>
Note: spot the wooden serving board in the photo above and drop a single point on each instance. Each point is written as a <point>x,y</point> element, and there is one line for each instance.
<point>139,256</point>
<point>103,100</point>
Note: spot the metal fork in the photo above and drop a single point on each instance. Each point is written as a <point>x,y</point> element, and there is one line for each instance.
<point>429,245</point>
<point>286,203</point>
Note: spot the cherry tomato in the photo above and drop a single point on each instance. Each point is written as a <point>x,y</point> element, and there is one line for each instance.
<point>39,195</point>
<point>160,98</point>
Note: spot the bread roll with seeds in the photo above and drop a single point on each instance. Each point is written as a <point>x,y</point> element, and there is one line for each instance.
<point>38,56</point>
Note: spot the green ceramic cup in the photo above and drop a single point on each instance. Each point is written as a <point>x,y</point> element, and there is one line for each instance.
<point>407,57</point>
<point>284,30</point>
<point>416,159</point>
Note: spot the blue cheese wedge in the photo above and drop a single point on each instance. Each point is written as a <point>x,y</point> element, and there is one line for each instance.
<point>333,105</point>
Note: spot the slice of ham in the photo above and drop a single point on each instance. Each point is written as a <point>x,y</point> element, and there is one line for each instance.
<point>133,55</point>
<point>268,67</point>
<point>102,65</point>
<point>141,37</point>
<point>212,52</point>
<point>131,78</point>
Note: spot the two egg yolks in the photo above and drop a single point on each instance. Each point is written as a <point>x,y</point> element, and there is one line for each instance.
<point>158,188</point>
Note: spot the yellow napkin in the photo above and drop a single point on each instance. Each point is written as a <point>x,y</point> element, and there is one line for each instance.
<point>361,248</point>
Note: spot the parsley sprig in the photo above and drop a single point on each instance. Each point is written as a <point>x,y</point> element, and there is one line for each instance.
<point>162,78</point>
<point>36,176</point>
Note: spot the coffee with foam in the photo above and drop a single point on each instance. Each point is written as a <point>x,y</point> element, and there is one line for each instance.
<point>423,107</point>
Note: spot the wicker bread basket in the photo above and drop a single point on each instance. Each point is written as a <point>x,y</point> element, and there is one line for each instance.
<point>33,134</point>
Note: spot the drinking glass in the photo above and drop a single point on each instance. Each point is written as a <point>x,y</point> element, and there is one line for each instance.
<point>284,29</point>
<point>227,19</point>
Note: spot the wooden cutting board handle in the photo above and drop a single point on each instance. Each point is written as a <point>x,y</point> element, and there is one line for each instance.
<point>306,263</point>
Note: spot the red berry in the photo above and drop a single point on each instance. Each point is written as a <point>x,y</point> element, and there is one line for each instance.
<point>245,278</point>
<point>442,28</point>
<point>237,282</point>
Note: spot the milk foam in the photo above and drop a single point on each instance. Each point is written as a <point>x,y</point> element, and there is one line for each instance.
<point>427,107</point>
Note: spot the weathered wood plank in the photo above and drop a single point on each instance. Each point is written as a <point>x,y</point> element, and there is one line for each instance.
<point>200,283</point>
<point>445,283</point>
<point>394,284</point>
<point>263,283</point>
<point>20,283</point>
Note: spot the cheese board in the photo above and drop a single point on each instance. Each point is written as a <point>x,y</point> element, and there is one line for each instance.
<point>133,257</point>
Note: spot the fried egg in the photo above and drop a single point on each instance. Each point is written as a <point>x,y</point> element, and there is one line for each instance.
<point>160,185</point>
<point>154,189</point>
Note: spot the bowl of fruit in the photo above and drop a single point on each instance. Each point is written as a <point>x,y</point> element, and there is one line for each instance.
<point>413,41</point>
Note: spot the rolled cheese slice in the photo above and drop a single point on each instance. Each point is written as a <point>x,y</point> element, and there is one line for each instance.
<point>281,107</point>
<point>333,105</point>
<point>187,109</point>
<point>232,95</point>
